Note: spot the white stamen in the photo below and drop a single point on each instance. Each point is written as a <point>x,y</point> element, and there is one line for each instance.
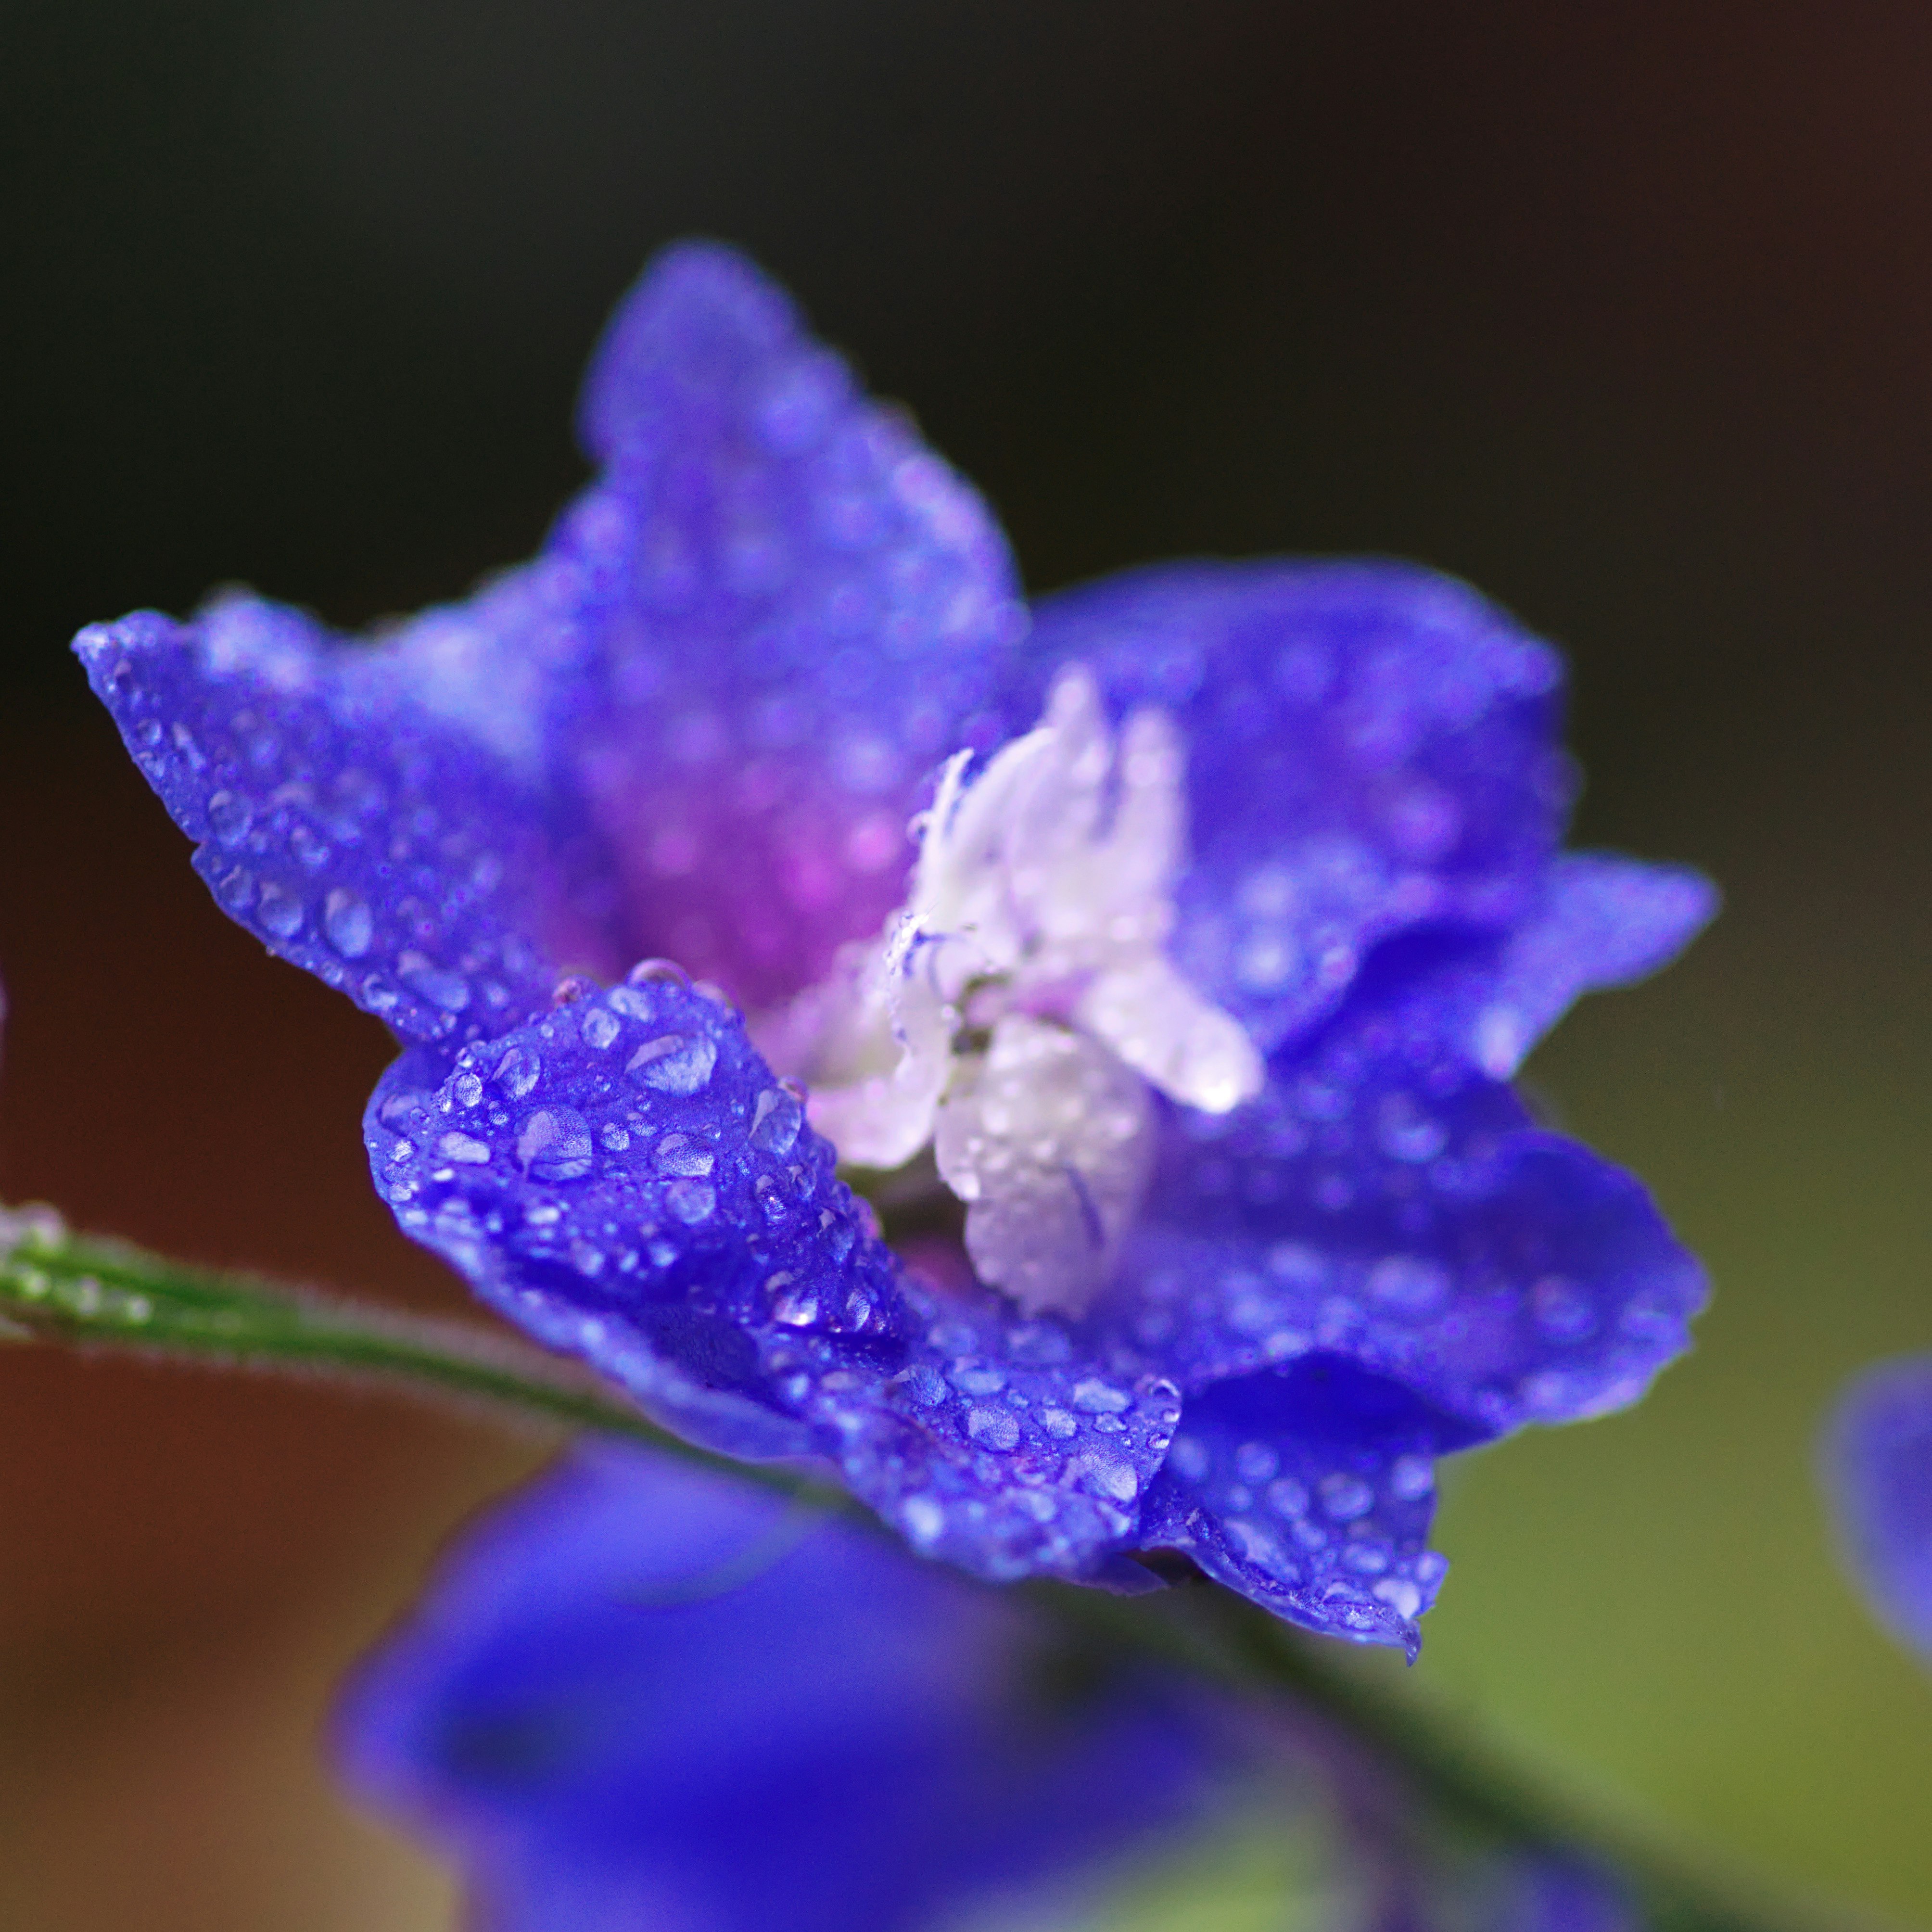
<point>1040,909</point>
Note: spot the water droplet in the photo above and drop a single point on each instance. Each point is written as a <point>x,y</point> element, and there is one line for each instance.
<point>684,1153</point>
<point>770,1200</point>
<point>1256,1462</point>
<point>554,1144</point>
<point>465,1147</point>
<point>674,1063</point>
<point>231,815</point>
<point>442,988</point>
<point>280,911</point>
<point>1099,1398</point>
<point>1286,1497</point>
<point>998,1429</point>
<point>776,1121</point>
<point>466,1090</point>
<point>601,1027</point>
<point>972,1377</point>
<point>795,1307</point>
<point>691,1201</point>
<point>1409,1284</point>
<point>1401,1596</point>
<point>657,972</point>
<point>1411,1478</point>
<point>237,889</point>
<point>1563,1311</point>
<point>1346,1497</point>
<point>308,848</point>
<point>923,1385</point>
<point>1102,1472</point>
<point>347,922</point>
<point>518,1071</point>
<point>615,1137</point>
<point>1187,1456</point>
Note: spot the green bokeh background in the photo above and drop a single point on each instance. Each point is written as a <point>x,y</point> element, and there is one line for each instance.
<point>1622,313</point>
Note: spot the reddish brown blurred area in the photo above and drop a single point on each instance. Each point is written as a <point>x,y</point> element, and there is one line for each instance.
<point>189,1558</point>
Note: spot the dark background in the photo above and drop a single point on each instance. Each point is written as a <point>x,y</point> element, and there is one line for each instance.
<point>1620,312</point>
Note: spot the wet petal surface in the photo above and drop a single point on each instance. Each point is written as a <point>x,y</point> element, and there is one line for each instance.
<point>625,1179</point>
<point>796,612</point>
<point>1384,1202</point>
<point>1370,746</point>
<point>353,830</point>
<point>1310,1489</point>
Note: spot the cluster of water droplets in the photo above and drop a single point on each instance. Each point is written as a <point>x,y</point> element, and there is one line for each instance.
<point>1335,1536</point>
<point>375,860</point>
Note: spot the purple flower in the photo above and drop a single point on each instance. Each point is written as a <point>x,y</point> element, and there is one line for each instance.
<point>1878,1467</point>
<point>638,1695</point>
<point>1169,1053</point>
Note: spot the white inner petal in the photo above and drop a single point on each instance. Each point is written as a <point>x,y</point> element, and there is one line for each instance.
<point>1048,1138</point>
<point>1016,1010</point>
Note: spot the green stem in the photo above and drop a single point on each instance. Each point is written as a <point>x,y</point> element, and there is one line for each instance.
<point>95,1295</point>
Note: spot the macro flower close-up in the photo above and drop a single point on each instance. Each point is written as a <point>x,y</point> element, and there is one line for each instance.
<point>963,968</point>
<point>1053,1065</point>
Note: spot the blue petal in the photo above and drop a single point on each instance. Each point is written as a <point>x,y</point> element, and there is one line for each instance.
<point>1371,746</point>
<point>624,1178</point>
<point>641,1696</point>
<point>796,612</point>
<point>1879,1464</point>
<point>1310,1490</point>
<point>351,828</point>
<point>1599,921</point>
<point>1382,1202</point>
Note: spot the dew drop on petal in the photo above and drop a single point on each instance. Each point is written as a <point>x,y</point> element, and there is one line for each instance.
<point>674,1063</point>
<point>554,1144</point>
<point>231,815</point>
<point>280,911</point>
<point>776,1120</point>
<point>992,1427</point>
<point>1345,1497</point>
<point>347,923</point>
<point>691,1201</point>
<point>518,1071</point>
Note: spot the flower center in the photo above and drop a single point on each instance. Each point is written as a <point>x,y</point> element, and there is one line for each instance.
<point>1015,1011</point>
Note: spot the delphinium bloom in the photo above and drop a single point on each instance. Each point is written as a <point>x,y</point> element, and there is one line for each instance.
<point>1879,1469</point>
<point>639,1696</point>
<point>1169,1050</point>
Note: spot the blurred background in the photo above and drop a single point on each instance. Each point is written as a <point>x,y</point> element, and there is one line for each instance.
<point>1621,313</point>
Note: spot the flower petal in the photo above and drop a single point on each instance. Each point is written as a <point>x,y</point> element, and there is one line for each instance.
<point>625,1179</point>
<point>1879,1464</point>
<point>354,831</point>
<point>641,1696</point>
<point>798,613</point>
<point>1310,1490</point>
<point>1600,921</point>
<point>1384,1202</point>
<point>1369,746</point>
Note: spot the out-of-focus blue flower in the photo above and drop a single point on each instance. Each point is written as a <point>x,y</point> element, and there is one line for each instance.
<point>1172,1052</point>
<point>1878,1468</point>
<point>637,1696</point>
